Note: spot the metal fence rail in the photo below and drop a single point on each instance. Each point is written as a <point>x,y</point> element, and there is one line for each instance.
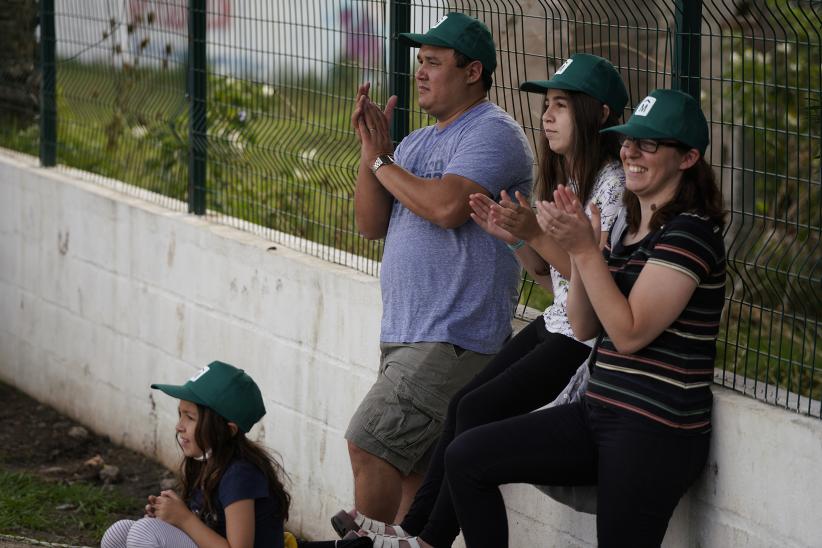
<point>239,110</point>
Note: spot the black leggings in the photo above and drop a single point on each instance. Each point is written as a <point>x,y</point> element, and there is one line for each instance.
<point>641,470</point>
<point>527,373</point>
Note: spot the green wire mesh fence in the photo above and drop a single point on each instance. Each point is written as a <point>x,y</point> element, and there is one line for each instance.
<point>239,110</point>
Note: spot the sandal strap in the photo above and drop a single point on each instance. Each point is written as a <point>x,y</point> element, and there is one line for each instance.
<point>388,541</point>
<point>368,524</point>
<point>375,526</point>
<point>382,541</point>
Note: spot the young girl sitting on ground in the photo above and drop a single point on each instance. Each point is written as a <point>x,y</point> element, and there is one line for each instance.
<point>232,494</point>
<point>231,491</point>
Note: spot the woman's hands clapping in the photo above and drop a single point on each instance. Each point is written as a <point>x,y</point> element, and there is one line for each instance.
<point>481,213</point>
<point>567,223</point>
<point>507,220</point>
<point>516,217</point>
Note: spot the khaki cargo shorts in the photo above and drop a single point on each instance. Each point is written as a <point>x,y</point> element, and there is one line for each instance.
<point>401,417</point>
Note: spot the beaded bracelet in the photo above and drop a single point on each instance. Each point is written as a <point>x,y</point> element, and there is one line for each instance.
<point>517,245</point>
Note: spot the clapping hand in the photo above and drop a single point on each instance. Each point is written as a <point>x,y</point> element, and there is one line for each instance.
<point>516,217</point>
<point>481,213</point>
<point>567,223</point>
<point>362,91</point>
<point>372,124</point>
<point>375,127</point>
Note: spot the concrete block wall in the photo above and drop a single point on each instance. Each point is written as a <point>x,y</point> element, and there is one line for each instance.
<point>102,294</point>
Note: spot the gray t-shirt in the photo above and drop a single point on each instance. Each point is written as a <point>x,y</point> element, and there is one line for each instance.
<point>455,285</point>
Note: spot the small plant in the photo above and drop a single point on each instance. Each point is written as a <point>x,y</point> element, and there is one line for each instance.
<point>30,506</point>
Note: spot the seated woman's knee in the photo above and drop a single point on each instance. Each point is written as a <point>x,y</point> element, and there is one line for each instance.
<point>474,409</point>
<point>461,455</point>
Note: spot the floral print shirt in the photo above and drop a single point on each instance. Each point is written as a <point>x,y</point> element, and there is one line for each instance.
<point>607,195</point>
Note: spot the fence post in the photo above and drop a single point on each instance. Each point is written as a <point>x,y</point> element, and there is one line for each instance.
<point>688,46</point>
<point>197,136</point>
<point>399,67</point>
<point>48,102</point>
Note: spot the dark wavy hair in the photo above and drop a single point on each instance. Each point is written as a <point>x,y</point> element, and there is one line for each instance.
<point>591,150</point>
<point>212,432</point>
<point>697,193</point>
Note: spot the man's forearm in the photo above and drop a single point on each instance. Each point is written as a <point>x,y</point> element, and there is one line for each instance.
<point>442,201</point>
<point>372,204</point>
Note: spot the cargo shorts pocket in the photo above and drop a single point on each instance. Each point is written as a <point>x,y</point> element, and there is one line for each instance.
<point>411,423</point>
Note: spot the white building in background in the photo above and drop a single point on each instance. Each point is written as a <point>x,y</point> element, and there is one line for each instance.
<point>260,39</point>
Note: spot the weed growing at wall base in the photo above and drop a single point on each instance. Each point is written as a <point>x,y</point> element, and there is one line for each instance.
<point>30,505</point>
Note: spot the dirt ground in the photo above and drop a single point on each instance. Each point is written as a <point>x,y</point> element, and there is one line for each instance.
<point>37,439</point>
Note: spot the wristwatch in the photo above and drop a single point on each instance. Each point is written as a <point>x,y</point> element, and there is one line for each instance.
<point>382,160</point>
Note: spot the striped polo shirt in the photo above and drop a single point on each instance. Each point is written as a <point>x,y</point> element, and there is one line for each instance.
<point>668,381</point>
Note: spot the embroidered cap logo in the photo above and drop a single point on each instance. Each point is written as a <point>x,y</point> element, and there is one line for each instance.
<point>199,374</point>
<point>440,22</point>
<point>564,66</point>
<point>645,106</point>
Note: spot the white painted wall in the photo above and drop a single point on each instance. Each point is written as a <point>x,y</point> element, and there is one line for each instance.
<point>102,294</point>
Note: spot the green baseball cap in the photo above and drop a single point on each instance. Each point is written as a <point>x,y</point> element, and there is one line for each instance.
<point>667,114</point>
<point>228,391</point>
<point>462,33</point>
<point>588,74</point>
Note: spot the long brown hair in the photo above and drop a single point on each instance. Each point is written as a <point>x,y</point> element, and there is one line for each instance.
<point>212,432</point>
<point>697,193</point>
<point>591,150</point>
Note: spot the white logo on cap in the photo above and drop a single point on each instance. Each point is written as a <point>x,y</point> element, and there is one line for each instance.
<point>444,17</point>
<point>199,374</point>
<point>564,66</point>
<point>645,106</point>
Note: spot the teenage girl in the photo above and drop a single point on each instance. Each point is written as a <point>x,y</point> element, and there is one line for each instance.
<point>231,492</point>
<point>585,95</point>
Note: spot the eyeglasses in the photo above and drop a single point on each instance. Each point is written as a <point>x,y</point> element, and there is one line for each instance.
<point>647,145</point>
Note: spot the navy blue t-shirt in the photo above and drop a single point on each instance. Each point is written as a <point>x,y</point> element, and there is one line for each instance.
<point>242,480</point>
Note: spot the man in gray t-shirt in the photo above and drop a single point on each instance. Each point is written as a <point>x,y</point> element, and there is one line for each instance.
<point>448,288</point>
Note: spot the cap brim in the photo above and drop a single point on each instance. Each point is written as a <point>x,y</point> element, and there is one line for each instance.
<point>179,392</point>
<point>534,86</point>
<point>541,86</point>
<point>637,131</point>
<point>417,40</point>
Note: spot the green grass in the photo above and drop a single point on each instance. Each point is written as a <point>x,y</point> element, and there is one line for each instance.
<point>28,506</point>
<point>279,156</point>
<point>773,349</point>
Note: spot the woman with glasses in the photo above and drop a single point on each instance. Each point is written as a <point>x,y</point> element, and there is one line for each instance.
<point>641,432</point>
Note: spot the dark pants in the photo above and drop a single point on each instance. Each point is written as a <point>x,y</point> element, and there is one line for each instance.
<point>641,470</point>
<point>527,373</point>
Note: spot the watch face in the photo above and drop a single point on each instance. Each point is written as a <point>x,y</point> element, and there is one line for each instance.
<point>382,160</point>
